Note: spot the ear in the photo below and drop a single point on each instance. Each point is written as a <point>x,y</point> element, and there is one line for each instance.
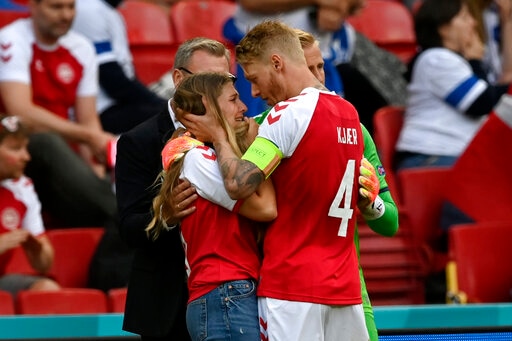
<point>177,77</point>
<point>277,62</point>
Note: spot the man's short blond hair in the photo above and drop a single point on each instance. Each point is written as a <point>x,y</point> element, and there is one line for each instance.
<point>267,38</point>
<point>306,39</point>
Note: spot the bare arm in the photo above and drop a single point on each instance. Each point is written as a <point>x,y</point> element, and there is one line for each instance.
<point>10,240</point>
<point>261,205</point>
<point>17,98</point>
<point>87,117</point>
<point>39,252</point>
<point>241,178</point>
<point>505,9</point>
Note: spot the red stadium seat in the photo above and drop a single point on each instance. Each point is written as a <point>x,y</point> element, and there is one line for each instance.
<point>481,253</point>
<point>200,18</point>
<point>116,300</point>
<point>146,22</point>
<point>64,301</point>
<point>392,267</point>
<point>6,303</point>
<point>151,39</point>
<point>203,18</point>
<point>390,25</point>
<point>74,248</point>
<point>387,124</point>
<point>422,192</point>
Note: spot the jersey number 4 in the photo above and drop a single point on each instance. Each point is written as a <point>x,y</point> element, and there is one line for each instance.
<point>344,194</point>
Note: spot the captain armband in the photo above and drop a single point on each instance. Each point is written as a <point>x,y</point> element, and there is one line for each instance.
<point>375,210</point>
<point>264,154</point>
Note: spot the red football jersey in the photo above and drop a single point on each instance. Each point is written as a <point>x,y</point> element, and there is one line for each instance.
<point>309,253</point>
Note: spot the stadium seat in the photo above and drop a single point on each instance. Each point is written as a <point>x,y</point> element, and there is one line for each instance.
<point>201,18</point>
<point>390,25</point>
<point>116,300</point>
<point>6,303</point>
<point>74,248</point>
<point>64,301</point>
<point>151,39</point>
<point>146,22</point>
<point>392,267</point>
<point>8,16</point>
<point>422,192</point>
<point>387,124</point>
<point>481,254</point>
<point>211,14</point>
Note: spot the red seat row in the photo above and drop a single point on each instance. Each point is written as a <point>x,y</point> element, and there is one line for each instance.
<point>73,248</point>
<point>65,301</point>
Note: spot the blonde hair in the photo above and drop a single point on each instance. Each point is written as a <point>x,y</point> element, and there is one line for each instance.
<point>188,98</point>
<point>306,39</point>
<point>267,38</point>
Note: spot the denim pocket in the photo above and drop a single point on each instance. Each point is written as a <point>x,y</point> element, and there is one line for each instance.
<point>196,319</point>
<point>241,289</point>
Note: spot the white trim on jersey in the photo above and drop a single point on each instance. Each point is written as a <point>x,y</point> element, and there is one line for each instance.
<point>19,35</point>
<point>24,191</point>
<point>292,126</point>
<point>201,169</point>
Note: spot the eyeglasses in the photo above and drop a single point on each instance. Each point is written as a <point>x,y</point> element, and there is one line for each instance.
<point>11,123</point>
<point>184,69</point>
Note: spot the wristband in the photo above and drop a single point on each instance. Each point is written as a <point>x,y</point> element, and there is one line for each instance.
<point>375,210</point>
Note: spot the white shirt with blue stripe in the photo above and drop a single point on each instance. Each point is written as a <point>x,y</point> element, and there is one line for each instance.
<point>105,27</point>
<point>442,88</point>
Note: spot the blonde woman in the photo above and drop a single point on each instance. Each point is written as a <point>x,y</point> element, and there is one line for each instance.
<point>220,243</point>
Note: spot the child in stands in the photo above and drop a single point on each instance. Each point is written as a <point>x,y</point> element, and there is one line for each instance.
<point>21,223</point>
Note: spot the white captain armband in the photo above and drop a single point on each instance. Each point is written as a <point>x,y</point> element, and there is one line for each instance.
<point>264,154</point>
<point>375,210</point>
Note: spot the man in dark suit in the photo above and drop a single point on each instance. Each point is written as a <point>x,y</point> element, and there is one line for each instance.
<point>157,292</point>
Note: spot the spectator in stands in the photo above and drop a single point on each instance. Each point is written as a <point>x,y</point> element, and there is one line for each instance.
<point>221,248</point>
<point>157,293</point>
<point>21,223</point>
<point>449,98</point>
<point>448,95</point>
<point>348,69</point>
<point>48,77</point>
<point>494,26</point>
<point>123,101</point>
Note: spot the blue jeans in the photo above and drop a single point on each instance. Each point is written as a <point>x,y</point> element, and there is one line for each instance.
<point>229,312</point>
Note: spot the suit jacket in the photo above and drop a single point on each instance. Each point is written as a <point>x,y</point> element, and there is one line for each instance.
<point>156,289</point>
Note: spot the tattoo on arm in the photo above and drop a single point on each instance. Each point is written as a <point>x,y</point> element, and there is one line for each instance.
<point>241,177</point>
